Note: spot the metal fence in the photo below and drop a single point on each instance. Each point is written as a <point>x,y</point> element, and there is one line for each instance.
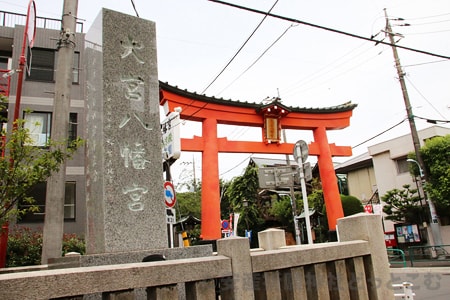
<point>429,253</point>
<point>10,19</point>
<point>396,256</point>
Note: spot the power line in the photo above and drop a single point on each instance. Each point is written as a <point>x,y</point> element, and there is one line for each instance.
<point>383,132</point>
<point>432,121</point>
<point>417,90</point>
<point>229,170</point>
<point>427,23</point>
<point>428,32</point>
<point>337,73</point>
<point>330,29</point>
<point>429,17</point>
<point>326,69</point>
<point>259,57</point>
<point>229,62</point>
<point>240,48</point>
<point>425,63</point>
<point>134,7</point>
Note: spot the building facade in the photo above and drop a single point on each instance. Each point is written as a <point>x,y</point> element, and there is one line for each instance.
<point>385,167</point>
<point>389,158</point>
<point>36,106</point>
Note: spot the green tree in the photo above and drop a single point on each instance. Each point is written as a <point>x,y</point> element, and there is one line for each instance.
<point>245,188</point>
<point>189,203</point>
<point>436,156</point>
<point>282,211</point>
<point>403,205</point>
<point>351,205</point>
<point>23,166</point>
<point>225,205</point>
<point>315,198</point>
<point>317,203</point>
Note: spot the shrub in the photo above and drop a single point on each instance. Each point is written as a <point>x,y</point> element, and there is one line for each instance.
<point>351,205</point>
<point>25,246</point>
<point>73,243</point>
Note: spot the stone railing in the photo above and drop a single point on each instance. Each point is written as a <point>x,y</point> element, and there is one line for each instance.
<point>354,268</point>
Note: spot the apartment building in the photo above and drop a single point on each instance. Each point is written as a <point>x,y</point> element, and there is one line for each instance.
<point>37,105</point>
<point>385,167</point>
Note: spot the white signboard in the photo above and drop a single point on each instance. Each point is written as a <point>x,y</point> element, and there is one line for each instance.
<point>170,130</point>
<point>170,216</point>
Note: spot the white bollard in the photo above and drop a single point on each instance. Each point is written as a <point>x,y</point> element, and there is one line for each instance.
<point>407,290</point>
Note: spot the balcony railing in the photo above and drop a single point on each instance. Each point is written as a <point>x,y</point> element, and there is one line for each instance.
<point>10,19</point>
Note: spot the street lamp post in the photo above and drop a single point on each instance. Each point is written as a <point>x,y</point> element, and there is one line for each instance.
<point>245,203</point>
<point>435,230</point>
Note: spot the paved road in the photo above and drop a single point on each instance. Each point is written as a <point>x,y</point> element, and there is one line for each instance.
<point>428,282</point>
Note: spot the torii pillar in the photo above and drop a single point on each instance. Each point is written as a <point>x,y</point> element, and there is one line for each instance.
<point>329,183</point>
<point>271,118</point>
<point>210,182</point>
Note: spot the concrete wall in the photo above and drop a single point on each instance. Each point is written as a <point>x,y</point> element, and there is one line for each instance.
<point>445,234</point>
<point>362,183</point>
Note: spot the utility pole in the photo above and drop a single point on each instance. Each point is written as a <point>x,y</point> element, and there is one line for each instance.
<point>193,170</point>
<point>415,137</point>
<point>56,184</point>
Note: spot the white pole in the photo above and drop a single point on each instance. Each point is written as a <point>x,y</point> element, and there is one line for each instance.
<point>171,234</point>
<point>304,195</point>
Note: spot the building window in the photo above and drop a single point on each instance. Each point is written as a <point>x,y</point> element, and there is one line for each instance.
<point>69,201</point>
<point>73,123</point>
<point>402,165</point>
<point>39,125</point>
<point>42,64</point>
<point>39,192</point>
<point>76,68</point>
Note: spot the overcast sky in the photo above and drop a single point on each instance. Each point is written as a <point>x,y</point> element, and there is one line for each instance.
<point>303,65</point>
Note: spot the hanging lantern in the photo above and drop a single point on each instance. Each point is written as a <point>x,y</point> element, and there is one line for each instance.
<point>272,114</point>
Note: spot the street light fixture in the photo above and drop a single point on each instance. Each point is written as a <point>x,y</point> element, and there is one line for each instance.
<point>417,163</point>
<point>435,230</point>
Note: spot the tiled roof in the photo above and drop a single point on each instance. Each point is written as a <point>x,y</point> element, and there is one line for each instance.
<point>347,106</point>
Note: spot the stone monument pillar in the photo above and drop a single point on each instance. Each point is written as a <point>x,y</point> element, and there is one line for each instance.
<point>125,201</point>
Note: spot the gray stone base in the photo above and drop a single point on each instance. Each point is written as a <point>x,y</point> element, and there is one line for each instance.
<point>74,261</point>
<point>127,257</point>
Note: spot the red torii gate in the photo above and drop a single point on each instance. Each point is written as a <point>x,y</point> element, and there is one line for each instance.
<point>271,118</point>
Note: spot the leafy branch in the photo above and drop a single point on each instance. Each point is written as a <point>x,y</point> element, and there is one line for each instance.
<point>24,165</point>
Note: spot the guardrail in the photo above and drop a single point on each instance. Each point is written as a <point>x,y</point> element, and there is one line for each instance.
<point>349,269</point>
<point>396,256</point>
<point>428,253</point>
